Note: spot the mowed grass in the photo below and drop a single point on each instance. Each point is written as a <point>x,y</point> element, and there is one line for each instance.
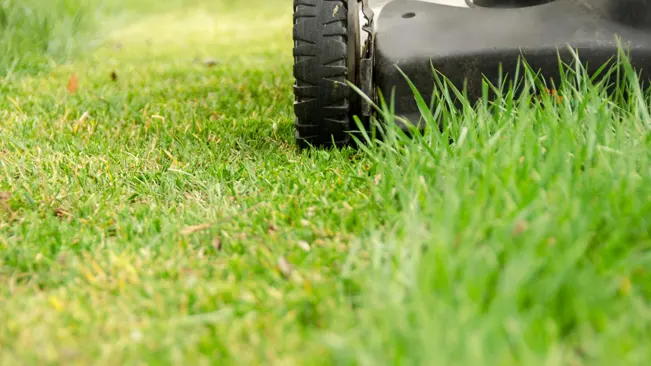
<point>161,214</point>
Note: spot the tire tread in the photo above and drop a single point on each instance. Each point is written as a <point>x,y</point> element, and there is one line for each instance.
<point>321,104</point>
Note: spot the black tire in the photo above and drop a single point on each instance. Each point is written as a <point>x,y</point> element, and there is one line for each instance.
<point>322,57</point>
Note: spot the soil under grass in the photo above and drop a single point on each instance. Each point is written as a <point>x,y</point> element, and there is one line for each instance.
<point>160,214</point>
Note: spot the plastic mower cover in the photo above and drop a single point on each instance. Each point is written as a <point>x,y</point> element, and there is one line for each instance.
<point>366,42</point>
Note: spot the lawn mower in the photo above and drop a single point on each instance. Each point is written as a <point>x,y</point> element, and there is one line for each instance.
<point>371,43</point>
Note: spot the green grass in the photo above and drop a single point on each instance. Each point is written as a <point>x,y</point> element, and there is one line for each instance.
<point>37,33</point>
<point>524,242</point>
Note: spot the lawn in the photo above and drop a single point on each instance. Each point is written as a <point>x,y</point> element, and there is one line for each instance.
<point>155,210</point>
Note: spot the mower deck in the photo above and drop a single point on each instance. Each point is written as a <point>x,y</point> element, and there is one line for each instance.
<point>467,44</point>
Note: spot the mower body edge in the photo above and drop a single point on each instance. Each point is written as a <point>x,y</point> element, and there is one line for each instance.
<point>467,45</point>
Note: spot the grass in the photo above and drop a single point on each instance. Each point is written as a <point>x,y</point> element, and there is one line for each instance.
<point>37,33</point>
<point>161,214</point>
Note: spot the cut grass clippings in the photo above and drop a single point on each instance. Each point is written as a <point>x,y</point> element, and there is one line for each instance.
<point>161,214</point>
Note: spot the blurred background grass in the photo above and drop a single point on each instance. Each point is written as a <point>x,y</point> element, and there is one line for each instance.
<point>37,33</point>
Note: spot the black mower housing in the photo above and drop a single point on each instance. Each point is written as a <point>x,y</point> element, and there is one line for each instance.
<point>467,45</point>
